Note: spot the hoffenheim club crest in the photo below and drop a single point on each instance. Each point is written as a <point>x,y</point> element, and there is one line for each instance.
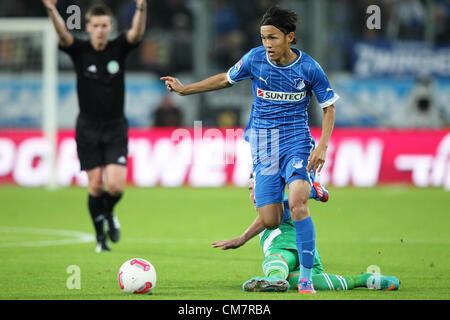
<point>299,84</point>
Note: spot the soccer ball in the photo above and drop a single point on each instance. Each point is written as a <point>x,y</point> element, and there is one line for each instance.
<point>137,276</point>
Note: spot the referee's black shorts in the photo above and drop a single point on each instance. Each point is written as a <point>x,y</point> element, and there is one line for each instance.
<point>101,142</point>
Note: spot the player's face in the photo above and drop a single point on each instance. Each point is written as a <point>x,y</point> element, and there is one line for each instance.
<point>99,28</point>
<point>277,44</point>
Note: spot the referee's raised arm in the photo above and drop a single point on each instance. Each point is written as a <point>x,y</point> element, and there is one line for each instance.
<point>65,38</point>
<point>134,35</point>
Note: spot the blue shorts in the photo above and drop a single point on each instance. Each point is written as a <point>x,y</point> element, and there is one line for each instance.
<point>270,179</point>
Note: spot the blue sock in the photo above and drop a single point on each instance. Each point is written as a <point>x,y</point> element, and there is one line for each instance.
<point>305,273</point>
<point>306,245</point>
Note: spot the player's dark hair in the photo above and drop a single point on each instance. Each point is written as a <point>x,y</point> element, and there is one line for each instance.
<point>282,19</point>
<point>98,9</point>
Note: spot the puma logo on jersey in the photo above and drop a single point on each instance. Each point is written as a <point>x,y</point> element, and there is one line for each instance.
<point>280,96</point>
<point>265,80</point>
<point>92,68</point>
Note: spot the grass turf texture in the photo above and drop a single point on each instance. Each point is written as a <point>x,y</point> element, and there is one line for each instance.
<point>402,230</point>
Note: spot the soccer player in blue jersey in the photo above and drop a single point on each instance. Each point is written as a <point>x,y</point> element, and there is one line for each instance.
<point>283,150</point>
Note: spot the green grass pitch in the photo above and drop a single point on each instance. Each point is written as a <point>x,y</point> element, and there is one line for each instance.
<point>402,230</point>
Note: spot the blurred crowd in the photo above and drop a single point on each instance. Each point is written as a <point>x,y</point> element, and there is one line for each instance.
<point>401,20</point>
<point>167,47</point>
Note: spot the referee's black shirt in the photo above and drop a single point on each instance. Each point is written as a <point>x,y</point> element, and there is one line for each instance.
<point>100,77</point>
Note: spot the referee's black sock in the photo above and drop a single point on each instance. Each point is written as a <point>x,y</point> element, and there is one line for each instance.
<point>109,201</point>
<point>97,212</point>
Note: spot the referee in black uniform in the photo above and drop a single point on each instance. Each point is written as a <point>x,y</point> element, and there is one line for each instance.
<point>101,127</point>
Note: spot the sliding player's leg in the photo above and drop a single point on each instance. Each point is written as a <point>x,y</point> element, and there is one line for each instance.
<point>281,270</point>
<point>276,266</point>
<point>327,281</point>
<point>281,266</point>
<point>321,280</point>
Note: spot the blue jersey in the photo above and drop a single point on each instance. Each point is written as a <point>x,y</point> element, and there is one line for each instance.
<point>281,94</point>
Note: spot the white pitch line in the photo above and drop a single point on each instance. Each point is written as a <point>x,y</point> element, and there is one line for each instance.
<point>71,237</point>
<point>169,241</point>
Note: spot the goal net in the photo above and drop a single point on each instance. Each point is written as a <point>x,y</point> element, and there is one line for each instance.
<point>28,99</point>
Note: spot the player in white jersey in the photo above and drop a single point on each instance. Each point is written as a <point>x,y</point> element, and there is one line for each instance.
<point>283,150</point>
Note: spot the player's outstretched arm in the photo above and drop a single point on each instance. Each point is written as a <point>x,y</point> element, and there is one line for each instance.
<point>134,35</point>
<point>255,228</point>
<point>65,38</point>
<point>219,81</point>
<point>317,158</point>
